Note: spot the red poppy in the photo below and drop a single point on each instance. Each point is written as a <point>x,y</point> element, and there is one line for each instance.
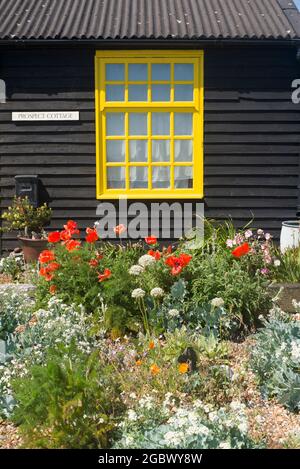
<point>185,259</point>
<point>119,229</point>
<point>65,235</point>
<point>106,274</point>
<point>72,244</point>
<point>54,237</point>
<point>151,240</point>
<point>44,272</point>
<point>46,256</point>
<point>241,250</point>
<point>92,235</point>
<point>93,263</point>
<point>52,289</point>
<point>155,254</point>
<point>53,266</point>
<point>178,263</point>
<point>71,225</point>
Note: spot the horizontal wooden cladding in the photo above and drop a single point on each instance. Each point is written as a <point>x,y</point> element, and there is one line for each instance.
<point>251,145</point>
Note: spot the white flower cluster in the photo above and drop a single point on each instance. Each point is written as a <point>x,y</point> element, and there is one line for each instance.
<point>157,292</point>
<point>138,293</point>
<point>58,324</point>
<point>295,350</point>
<point>136,270</point>
<point>195,426</point>
<point>146,260</point>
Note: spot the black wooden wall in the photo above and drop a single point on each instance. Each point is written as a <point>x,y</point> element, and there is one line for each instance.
<point>252,132</point>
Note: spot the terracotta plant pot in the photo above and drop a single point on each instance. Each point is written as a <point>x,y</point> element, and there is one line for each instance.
<point>289,292</point>
<point>32,248</point>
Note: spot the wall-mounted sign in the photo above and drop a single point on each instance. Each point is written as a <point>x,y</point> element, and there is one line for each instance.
<point>46,116</point>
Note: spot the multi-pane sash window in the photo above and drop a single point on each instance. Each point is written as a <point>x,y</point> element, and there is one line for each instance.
<point>149,118</point>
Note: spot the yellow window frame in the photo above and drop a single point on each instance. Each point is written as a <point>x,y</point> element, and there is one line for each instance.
<point>196,107</point>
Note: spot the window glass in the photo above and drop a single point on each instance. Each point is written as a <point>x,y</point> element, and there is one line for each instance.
<point>116,177</point>
<point>161,92</point>
<point>115,92</point>
<point>115,72</point>
<point>137,72</point>
<point>183,123</point>
<point>160,150</point>
<point>138,123</point>
<point>161,72</point>
<point>138,177</point>
<point>160,123</point>
<point>184,72</point>
<point>184,93</point>
<point>160,177</point>
<point>183,177</point>
<point>115,123</point>
<point>138,151</point>
<point>115,151</point>
<point>137,93</point>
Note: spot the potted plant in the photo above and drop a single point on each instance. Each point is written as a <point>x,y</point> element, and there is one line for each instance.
<point>29,221</point>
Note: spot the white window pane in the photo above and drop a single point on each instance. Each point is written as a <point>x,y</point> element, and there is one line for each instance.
<point>137,93</point>
<point>138,151</point>
<point>184,150</point>
<point>116,178</point>
<point>184,93</point>
<point>115,123</point>
<point>115,92</point>
<point>183,177</point>
<point>138,177</point>
<point>160,177</point>
<point>137,72</point>
<point>160,151</point>
<point>183,123</point>
<point>184,72</point>
<point>161,92</point>
<point>160,123</point>
<point>115,151</point>
<point>161,72</point>
<point>115,72</point>
<point>138,123</point>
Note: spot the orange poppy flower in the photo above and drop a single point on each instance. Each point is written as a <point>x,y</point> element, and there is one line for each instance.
<point>138,362</point>
<point>106,274</point>
<point>54,237</point>
<point>151,240</point>
<point>183,368</point>
<point>155,254</point>
<point>119,229</point>
<point>53,266</point>
<point>52,289</point>
<point>92,235</point>
<point>93,263</point>
<point>71,225</point>
<point>241,250</point>
<point>72,244</point>
<point>46,256</point>
<point>151,345</point>
<point>154,369</point>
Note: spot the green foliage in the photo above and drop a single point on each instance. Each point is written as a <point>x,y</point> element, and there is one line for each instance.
<point>25,218</point>
<point>13,266</point>
<point>276,360</point>
<point>288,271</point>
<point>244,292</point>
<point>69,402</point>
